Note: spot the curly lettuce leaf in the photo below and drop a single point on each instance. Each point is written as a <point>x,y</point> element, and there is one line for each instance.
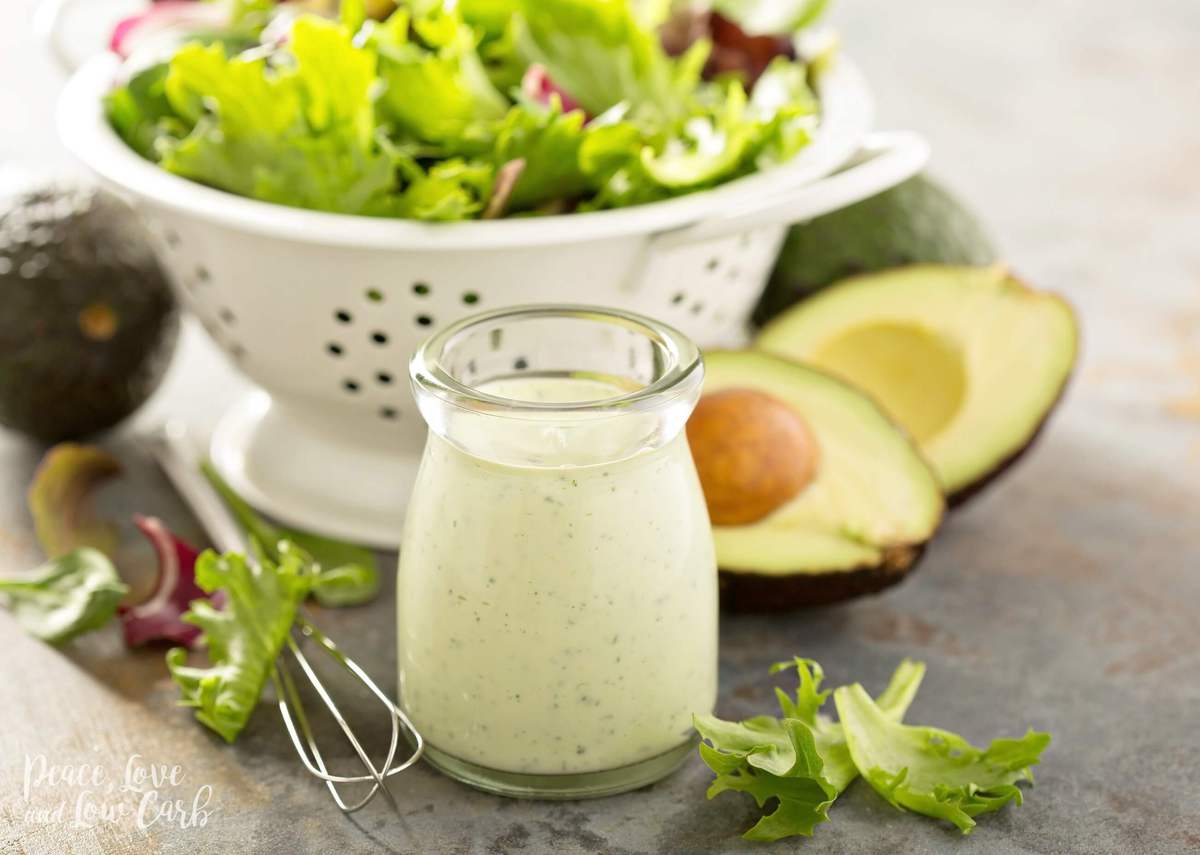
<point>298,133</point>
<point>801,759</point>
<point>769,759</point>
<point>60,499</point>
<point>932,771</point>
<point>68,596</point>
<point>342,574</point>
<point>243,638</point>
<point>435,84</point>
<point>830,739</point>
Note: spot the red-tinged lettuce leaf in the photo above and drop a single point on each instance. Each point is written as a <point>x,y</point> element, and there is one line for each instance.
<point>59,500</point>
<point>537,86</point>
<point>160,618</point>
<point>243,638</point>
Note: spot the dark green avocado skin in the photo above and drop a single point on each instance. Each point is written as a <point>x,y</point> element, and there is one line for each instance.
<point>87,319</point>
<point>915,222</point>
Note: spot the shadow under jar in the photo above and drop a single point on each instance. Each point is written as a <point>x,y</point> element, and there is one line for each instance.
<point>557,588</point>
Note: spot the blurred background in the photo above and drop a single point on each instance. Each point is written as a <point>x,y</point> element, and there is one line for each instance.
<point>1070,127</point>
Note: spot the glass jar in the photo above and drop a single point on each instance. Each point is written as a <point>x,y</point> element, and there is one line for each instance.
<point>557,587</point>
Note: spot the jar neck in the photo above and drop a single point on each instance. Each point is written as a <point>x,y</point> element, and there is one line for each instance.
<point>557,386</point>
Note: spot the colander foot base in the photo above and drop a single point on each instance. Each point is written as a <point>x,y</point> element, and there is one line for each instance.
<point>290,464</point>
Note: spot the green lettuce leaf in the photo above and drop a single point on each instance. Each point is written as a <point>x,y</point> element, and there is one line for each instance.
<point>70,595</point>
<point>59,499</point>
<point>451,190</point>
<point>549,142</point>
<point>435,84</point>
<point>341,574</point>
<point>801,759</point>
<point>298,133</point>
<point>244,637</point>
<point>830,739</point>
<point>772,17</point>
<point>933,771</point>
<point>769,759</point>
<point>142,114</point>
<point>602,53</point>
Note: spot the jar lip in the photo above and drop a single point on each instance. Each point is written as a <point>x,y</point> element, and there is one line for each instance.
<point>683,374</point>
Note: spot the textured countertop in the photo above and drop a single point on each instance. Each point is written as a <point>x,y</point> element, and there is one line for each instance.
<point>1067,598</point>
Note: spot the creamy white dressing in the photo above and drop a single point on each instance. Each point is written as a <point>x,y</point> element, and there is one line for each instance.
<point>557,618</point>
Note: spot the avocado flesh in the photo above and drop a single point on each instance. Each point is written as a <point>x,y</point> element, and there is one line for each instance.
<point>969,359</point>
<point>857,526</point>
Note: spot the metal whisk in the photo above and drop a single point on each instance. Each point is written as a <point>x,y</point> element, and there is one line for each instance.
<point>177,457</point>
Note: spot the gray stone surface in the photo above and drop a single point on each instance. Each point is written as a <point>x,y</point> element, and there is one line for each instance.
<point>1067,598</point>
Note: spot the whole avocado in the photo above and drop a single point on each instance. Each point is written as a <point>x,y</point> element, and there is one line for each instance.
<point>89,321</point>
<point>916,222</point>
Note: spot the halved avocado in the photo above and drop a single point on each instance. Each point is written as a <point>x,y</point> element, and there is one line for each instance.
<point>857,526</point>
<point>969,359</point>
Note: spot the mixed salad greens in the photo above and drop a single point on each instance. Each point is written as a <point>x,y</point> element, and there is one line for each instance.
<point>443,110</point>
<point>239,608</point>
<point>797,765</point>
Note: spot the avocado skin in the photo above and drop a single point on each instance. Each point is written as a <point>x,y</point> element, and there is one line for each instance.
<point>917,221</point>
<point>69,250</point>
<point>761,592</point>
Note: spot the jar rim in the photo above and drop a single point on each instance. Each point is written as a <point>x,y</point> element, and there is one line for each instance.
<point>682,374</point>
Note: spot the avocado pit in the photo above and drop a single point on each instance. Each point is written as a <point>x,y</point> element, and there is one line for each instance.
<point>753,452</point>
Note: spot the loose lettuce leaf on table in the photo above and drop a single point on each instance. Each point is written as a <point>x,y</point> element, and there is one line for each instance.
<point>160,616</point>
<point>932,771</point>
<point>769,758</point>
<point>243,638</point>
<point>59,499</point>
<point>801,759</point>
<point>343,574</point>
<point>68,596</point>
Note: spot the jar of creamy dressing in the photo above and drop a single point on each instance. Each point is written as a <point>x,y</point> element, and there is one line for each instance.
<point>557,588</point>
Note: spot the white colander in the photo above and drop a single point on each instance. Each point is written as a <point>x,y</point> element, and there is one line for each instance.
<point>323,310</point>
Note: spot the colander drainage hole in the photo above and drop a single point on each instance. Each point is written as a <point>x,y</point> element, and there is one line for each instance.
<point>389,413</point>
<point>202,274</point>
<point>334,349</point>
<point>383,378</point>
<point>678,298</point>
<point>379,337</point>
<point>227,316</point>
<point>421,289</point>
<point>343,317</point>
<point>713,264</point>
<point>470,298</point>
<point>697,308</point>
<point>424,320</point>
<point>520,363</point>
<point>374,295</point>
<point>350,386</point>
